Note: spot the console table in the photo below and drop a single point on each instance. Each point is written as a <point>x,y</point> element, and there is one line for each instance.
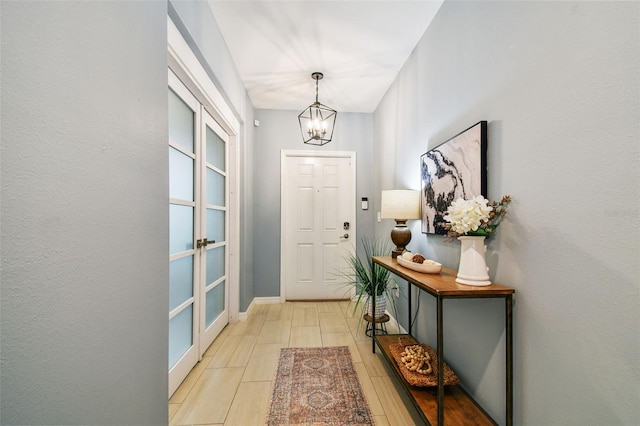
<point>454,406</point>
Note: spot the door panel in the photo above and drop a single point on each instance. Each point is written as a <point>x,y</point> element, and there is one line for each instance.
<point>182,109</point>
<point>318,198</point>
<point>305,261</point>
<point>215,303</point>
<point>180,175</point>
<point>180,281</point>
<point>181,335</point>
<point>216,150</point>
<point>305,217</point>
<point>215,188</point>
<point>215,229</point>
<point>181,222</point>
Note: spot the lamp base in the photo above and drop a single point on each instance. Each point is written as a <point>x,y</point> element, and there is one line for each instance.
<point>397,252</point>
<point>401,236</point>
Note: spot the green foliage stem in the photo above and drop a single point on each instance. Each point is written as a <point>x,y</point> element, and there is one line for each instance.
<point>367,279</point>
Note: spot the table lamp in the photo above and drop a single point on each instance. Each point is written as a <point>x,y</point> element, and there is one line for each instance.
<point>401,205</point>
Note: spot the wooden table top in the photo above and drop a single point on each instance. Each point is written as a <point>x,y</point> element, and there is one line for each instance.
<point>443,283</point>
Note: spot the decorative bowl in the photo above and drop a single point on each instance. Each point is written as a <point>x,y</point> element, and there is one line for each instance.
<point>429,267</point>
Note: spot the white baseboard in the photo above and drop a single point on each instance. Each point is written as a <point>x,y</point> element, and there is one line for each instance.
<point>394,322</point>
<point>266,300</point>
<point>242,316</point>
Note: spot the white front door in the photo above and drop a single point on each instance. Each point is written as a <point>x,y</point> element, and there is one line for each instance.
<point>318,223</point>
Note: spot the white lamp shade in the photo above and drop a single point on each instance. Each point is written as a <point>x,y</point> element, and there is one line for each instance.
<point>400,204</point>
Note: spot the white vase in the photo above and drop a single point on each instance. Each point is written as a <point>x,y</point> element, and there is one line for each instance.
<point>473,268</point>
<point>381,306</point>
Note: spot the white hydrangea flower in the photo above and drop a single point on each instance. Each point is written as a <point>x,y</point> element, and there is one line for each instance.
<point>468,215</point>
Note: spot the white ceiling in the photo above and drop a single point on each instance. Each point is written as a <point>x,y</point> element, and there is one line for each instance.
<point>359,45</point>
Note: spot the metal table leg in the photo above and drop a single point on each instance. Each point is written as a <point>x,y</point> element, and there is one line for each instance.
<point>409,304</point>
<point>373,309</point>
<point>509,357</point>
<point>440,351</point>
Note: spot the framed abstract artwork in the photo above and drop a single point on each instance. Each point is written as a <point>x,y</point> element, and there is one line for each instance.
<point>457,168</point>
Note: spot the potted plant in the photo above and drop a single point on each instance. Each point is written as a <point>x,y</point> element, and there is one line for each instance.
<point>366,279</point>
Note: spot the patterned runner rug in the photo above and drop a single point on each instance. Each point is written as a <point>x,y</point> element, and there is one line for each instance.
<point>317,386</point>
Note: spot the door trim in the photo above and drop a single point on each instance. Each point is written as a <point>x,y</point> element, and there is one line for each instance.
<point>287,153</point>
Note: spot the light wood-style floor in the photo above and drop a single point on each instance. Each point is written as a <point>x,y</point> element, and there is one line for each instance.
<point>233,382</point>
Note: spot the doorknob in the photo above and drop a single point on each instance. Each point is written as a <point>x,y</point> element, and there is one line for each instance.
<point>345,236</point>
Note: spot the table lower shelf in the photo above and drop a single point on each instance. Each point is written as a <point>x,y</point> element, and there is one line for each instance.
<point>459,407</point>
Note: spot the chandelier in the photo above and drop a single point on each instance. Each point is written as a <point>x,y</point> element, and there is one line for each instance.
<point>317,121</point>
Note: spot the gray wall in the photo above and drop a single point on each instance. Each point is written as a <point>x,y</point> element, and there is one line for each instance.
<point>559,84</point>
<point>279,130</point>
<point>196,23</point>
<point>84,213</point>
<point>198,26</point>
<point>247,212</point>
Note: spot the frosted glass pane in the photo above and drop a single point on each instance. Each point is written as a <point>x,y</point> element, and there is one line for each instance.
<point>180,281</point>
<point>180,335</point>
<point>180,228</point>
<point>181,122</point>
<point>215,188</point>
<point>215,264</point>
<point>215,302</point>
<point>215,150</point>
<point>180,175</point>
<point>215,225</point>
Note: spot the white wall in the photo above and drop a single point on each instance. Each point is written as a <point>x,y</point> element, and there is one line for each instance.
<point>559,83</point>
<point>84,213</point>
<point>279,130</point>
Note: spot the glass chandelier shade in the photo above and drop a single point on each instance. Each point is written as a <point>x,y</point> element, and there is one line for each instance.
<point>317,121</point>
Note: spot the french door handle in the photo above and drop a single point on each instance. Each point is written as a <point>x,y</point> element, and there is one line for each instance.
<point>204,242</point>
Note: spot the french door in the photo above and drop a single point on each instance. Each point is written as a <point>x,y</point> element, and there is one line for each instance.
<point>198,249</point>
